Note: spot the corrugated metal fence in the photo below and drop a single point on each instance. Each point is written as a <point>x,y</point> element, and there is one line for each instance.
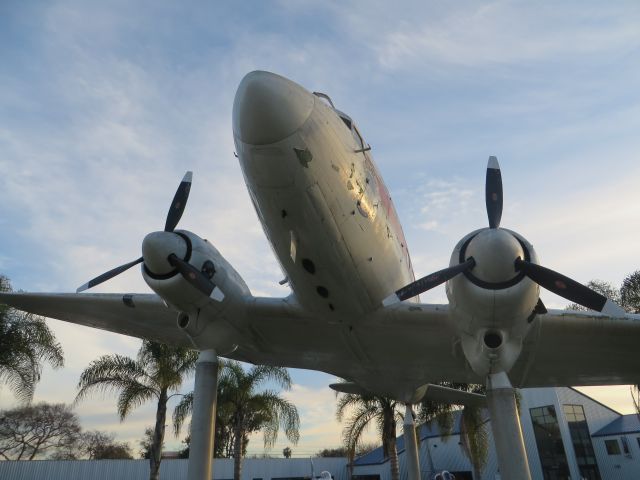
<point>252,468</point>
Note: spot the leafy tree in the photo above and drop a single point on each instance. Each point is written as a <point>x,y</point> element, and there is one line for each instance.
<point>98,445</point>
<point>286,452</point>
<point>630,292</point>
<point>146,443</point>
<point>246,410</point>
<point>362,449</point>
<point>363,410</point>
<point>25,343</point>
<point>184,453</point>
<point>332,452</point>
<point>158,370</point>
<point>34,431</point>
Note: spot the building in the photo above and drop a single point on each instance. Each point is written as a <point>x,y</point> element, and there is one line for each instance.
<point>567,434</point>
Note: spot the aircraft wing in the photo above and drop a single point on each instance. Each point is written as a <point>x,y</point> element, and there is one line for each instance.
<point>137,315</point>
<point>579,348</point>
<point>406,344</point>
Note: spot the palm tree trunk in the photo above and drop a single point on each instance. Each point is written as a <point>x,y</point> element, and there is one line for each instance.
<point>158,436</point>
<point>393,459</point>
<point>237,452</point>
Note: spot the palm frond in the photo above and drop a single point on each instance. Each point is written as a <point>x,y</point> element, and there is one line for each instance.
<point>181,412</point>
<point>475,437</point>
<point>263,373</point>
<point>111,373</point>
<point>133,395</point>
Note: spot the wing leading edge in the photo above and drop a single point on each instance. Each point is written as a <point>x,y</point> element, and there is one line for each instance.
<point>567,348</point>
<point>137,315</point>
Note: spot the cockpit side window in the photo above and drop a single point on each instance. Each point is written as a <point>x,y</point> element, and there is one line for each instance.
<point>346,119</point>
<point>357,137</point>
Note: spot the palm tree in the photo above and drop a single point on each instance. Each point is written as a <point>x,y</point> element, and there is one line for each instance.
<point>473,425</point>
<point>246,410</point>
<point>25,343</point>
<point>158,370</point>
<point>361,411</point>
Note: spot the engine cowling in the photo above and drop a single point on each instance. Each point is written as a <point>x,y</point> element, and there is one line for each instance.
<point>198,311</point>
<point>492,303</point>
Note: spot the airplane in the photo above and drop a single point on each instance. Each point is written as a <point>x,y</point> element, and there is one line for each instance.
<point>354,310</point>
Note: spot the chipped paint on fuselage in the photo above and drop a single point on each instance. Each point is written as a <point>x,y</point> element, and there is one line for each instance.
<point>315,190</point>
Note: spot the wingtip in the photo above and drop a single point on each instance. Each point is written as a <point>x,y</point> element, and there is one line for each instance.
<point>612,309</point>
<point>82,288</point>
<point>188,177</point>
<point>493,163</point>
<point>391,300</point>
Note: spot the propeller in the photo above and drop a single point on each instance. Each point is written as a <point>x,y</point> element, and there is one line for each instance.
<point>179,203</point>
<point>568,288</point>
<point>493,193</point>
<point>107,275</point>
<point>545,277</point>
<point>190,273</point>
<point>427,283</point>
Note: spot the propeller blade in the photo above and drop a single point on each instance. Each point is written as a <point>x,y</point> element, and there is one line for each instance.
<point>493,192</point>
<point>568,288</point>
<point>107,275</point>
<point>179,203</point>
<point>427,283</point>
<point>192,275</point>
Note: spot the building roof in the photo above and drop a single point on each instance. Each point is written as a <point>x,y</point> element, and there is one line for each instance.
<point>620,426</point>
<point>430,430</point>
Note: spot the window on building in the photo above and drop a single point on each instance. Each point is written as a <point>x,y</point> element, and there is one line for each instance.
<point>613,447</point>
<point>581,441</point>
<point>549,443</point>
<point>625,446</point>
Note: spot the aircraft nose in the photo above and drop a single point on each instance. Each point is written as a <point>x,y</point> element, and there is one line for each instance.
<point>268,108</point>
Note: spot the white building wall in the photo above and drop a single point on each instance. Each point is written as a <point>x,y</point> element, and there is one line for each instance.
<point>598,416</point>
<point>619,467</point>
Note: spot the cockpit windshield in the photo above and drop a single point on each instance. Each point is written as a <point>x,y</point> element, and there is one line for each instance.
<point>346,119</point>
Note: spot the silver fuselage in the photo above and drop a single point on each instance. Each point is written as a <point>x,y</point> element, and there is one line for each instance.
<point>321,201</point>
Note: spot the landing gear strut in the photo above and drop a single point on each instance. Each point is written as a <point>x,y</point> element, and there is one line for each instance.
<point>505,424</point>
<point>411,445</point>
<point>203,417</point>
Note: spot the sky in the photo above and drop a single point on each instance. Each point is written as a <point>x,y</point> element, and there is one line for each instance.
<point>105,105</point>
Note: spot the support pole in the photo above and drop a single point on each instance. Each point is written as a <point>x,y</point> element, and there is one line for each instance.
<point>507,432</point>
<point>411,445</point>
<point>204,417</point>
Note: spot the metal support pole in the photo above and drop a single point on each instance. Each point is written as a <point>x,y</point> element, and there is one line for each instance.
<point>507,432</point>
<point>204,417</point>
<point>411,445</point>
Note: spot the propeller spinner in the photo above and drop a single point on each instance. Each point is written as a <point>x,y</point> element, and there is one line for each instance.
<point>161,249</point>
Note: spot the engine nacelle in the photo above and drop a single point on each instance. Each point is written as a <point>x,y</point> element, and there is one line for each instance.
<point>492,304</point>
<point>177,292</point>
